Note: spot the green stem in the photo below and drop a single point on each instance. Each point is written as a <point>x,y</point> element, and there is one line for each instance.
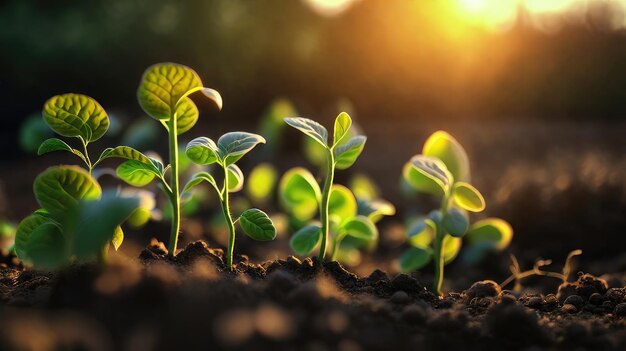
<point>438,246</point>
<point>175,194</point>
<point>229,222</point>
<point>87,160</point>
<point>328,183</point>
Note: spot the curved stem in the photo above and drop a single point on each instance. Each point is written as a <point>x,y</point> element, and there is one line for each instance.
<point>438,246</point>
<point>87,160</point>
<point>328,183</point>
<point>229,222</point>
<point>175,194</point>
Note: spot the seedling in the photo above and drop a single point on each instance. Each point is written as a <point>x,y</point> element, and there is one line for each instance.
<point>338,156</point>
<point>443,170</point>
<point>76,221</point>
<point>229,148</point>
<point>517,274</point>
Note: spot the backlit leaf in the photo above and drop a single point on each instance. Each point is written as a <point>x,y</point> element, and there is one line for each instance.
<point>360,227</point>
<point>199,178</point>
<point>451,248</point>
<point>135,173</point>
<point>257,225</point>
<point>446,148</point>
<point>495,230</point>
<point>47,247</point>
<point>305,240</point>
<point>235,178</point>
<point>232,146</point>
<point>427,174</point>
<point>421,233</point>
<point>347,154</point>
<point>342,202</point>
<point>75,115</point>
<point>54,144</point>
<point>310,128</point>
<point>118,238</point>
<point>23,232</point>
<point>203,151</point>
<point>468,197</point>
<point>455,222</point>
<point>415,258</point>
<point>299,193</point>
<point>60,188</point>
<point>261,182</point>
<point>343,122</point>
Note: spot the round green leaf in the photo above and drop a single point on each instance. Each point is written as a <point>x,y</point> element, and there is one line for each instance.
<point>187,115</point>
<point>60,188</point>
<point>306,239</point>
<point>415,258</point>
<point>427,174</point>
<point>257,225</point>
<point>451,248</point>
<point>346,154</point>
<point>343,122</point>
<point>360,227</point>
<point>235,178</point>
<point>163,85</point>
<point>261,182</point>
<point>421,232</point>
<point>203,151</point>
<point>311,128</point>
<point>299,193</point>
<point>455,222</point>
<point>75,115</point>
<point>468,197</point>
<point>47,247</point>
<point>342,202</point>
<point>23,232</point>
<point>375,209</point>
<point>495,230</point>
<point>446,148</point>
<point>232,146</point>
<point>135,173</point>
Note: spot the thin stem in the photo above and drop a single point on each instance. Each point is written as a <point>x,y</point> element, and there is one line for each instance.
<point>229,222</point>
<point>438,246</point>
<point>87,160</point>
<point>174,193</point>
<point>328,183</point>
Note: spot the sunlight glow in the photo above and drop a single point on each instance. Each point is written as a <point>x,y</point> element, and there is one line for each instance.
<point>493,14</point>
<point>329,8</point>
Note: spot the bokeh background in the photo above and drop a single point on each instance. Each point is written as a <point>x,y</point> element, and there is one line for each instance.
<point>535,90</point>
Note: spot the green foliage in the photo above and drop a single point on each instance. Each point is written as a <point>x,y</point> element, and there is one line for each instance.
<point>443,170</point>
<point>337,155</point>
<point>33,132</point>
<point>75,115</point>
<point>229,148</point>
<point>261,183</point>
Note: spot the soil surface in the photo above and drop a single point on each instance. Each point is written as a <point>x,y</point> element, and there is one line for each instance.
<point>190,301</point>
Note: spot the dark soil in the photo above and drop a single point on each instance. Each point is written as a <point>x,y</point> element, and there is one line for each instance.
<point>191,302</point>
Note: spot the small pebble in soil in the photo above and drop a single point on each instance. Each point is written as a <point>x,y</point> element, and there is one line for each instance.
<point>485,288</point>
<point>574,300</point>
<point>596,299</point>
<point>508,299</point>
<point>400,297</point>
<point>535,302</point>
<point>569,308</point>
<point>615,294</point>
<point>620,310</point>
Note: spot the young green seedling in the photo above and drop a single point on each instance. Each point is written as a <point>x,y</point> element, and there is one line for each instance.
<point>229,148</point>
<point>443,170</point>
<point>338,156</point>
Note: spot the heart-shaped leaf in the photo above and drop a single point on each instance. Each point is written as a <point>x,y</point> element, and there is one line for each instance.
<point>415,258</point>
<point>310,128</point>
<point>235,178</point>
<point>47,247</point>
<point>232,146</point>
<point>75,115</point>
<point>60,188</point>
<point>343,122</point>
<point>23,232</point>
<point>346,154</point>
<point>421,232</point>
<point>305,240</point>
<point>342,202</point>
<point>162,87</point>
<point>135,173</point>
<point>468,197</point>
<point>360,227</point>
<point>495,230</point>
<point>257,225</point>
<point>261,182</point>
<point>427,174</point>
<point>455,222</point>
<point>445,147</point>
<point>199,178</point>
<point>300,194</point>
<point>54,144</point>
<point>375,209</point>
<point>203,151</point>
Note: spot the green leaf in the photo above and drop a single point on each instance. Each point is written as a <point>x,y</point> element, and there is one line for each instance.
<point>23,232</point>
<point>163,85</point>
<point>343,122</point>
<point>305,240</point>
<point>47,247</point>
<point>235,178</point>
<point>261,182</point>
<point>364,187</point>
<point>443,146</point>
<point>375,209</point>
<point>60,188</point>
<point>310,128</point>
<point>118,237</point>
<point>451,248</point>
<point>203,151</point>
<point>455,222</point>
<point>495,230</point>
<point>421,233</point>
<point>300,194</point>
<point>257,225</point>
<point>135,173</point>
<point>127,152</point>
<point>54,144</point>
<point>342,202</point>
<point>232,146</point>
<point>468,197</point>
<point>415,258</point>
<point>93,224</point>
<point>427,174</point>
<point>139,218</point>
<point>199,178</point>
<point>346,154</point>
<point>75,115</point>
<point>186,115</point>
<point>360,227</point>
